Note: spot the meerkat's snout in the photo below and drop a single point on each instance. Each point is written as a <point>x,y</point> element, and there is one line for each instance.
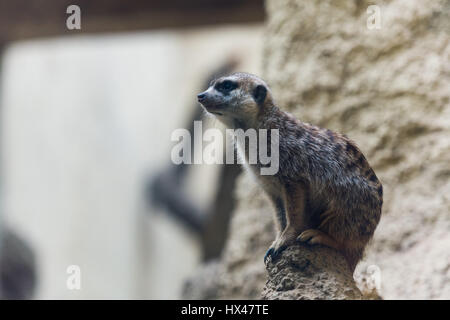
<point>201,97</point>
<point>210,101</point>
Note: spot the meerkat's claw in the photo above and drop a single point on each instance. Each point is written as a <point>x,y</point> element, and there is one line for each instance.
<point>268,254</point>
<point>273,253</point>
<point>276,252</point>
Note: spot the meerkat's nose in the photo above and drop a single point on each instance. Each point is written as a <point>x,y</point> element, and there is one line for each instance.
<point>201,96</point>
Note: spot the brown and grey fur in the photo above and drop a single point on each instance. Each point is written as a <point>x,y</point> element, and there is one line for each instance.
<point>325,191</point>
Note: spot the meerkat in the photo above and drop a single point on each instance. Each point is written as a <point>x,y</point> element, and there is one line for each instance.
<point>325,191</point>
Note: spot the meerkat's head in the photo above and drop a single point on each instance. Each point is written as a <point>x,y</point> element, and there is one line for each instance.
<point>238,97</point>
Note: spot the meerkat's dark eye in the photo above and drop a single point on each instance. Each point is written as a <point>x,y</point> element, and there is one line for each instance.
<point>259,94</point>
<point>226,86</point>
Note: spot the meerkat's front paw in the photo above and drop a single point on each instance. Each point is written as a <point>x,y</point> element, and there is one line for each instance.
<point>314,236</point>
<point>273,252</point>
<point>277,247</point>
<point>311,236</point>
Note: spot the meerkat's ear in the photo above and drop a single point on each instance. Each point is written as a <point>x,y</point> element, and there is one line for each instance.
<point>259,94</point>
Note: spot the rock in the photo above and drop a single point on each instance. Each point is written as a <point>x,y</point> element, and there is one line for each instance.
<point>305,272</point>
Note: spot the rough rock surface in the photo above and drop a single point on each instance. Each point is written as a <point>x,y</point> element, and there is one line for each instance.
<point>306,272</point>
<point>389,90</point>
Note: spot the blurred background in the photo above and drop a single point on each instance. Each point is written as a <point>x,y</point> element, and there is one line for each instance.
<point>86,120</point>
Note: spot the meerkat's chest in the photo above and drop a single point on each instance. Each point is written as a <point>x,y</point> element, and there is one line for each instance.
<point>269,183</point>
